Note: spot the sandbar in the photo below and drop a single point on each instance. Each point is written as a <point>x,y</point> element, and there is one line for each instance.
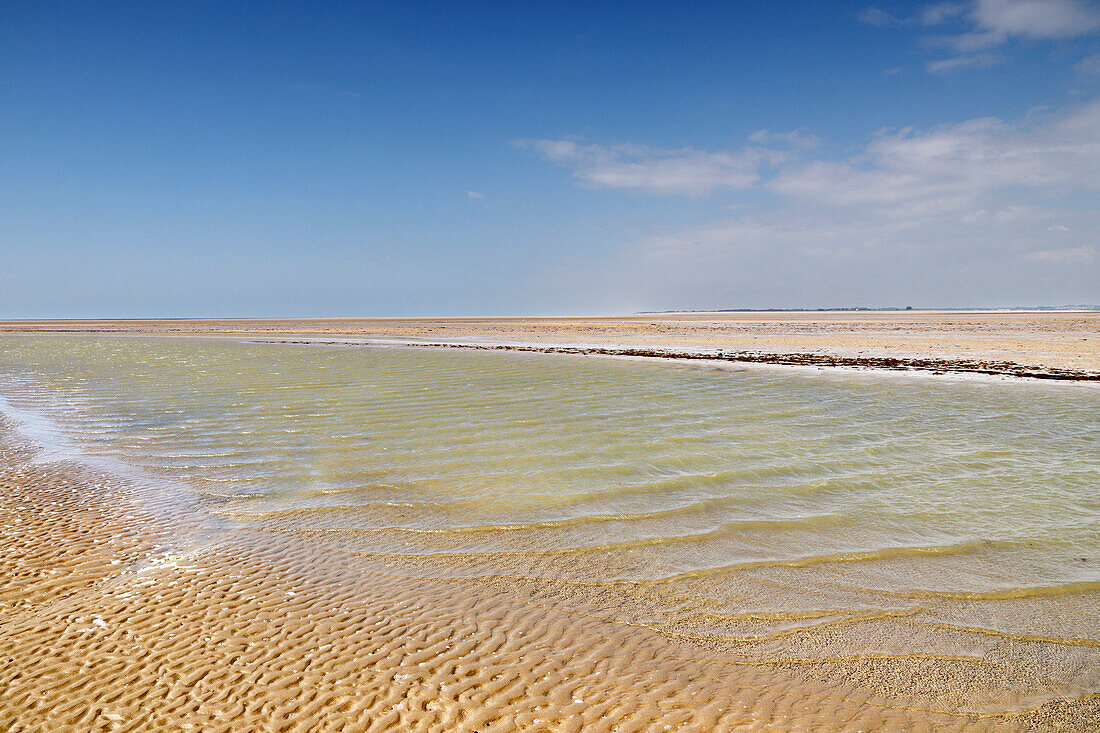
<point>1058,345</point>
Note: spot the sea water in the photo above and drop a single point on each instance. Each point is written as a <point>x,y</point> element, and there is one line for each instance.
<point>773,515</point>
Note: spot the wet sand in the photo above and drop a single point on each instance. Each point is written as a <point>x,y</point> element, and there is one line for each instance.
<point>112,619</point>
<point>1045,344</point>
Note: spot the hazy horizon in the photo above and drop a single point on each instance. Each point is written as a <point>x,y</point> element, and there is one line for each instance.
<point>1083,308</point>
<point>173,160</point>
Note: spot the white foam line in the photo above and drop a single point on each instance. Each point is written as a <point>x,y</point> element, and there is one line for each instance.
<point>52,444</point>
<point>50,441</point>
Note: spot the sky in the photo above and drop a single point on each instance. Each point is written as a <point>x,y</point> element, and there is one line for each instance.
<point>397,159</point>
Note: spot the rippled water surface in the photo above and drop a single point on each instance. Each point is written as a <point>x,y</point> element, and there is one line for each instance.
<point>772,514</point>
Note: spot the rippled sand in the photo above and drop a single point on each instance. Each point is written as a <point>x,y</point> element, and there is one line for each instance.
<point>105,626</point>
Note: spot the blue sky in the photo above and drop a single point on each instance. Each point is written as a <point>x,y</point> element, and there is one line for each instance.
<point>235,159</point>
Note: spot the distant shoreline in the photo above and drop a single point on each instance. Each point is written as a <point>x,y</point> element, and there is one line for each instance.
<point>1048,345</point>
<point>859,309</point>
<point>18,324</point>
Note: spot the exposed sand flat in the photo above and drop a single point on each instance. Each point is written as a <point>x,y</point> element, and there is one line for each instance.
<point>104,626</point>
<point>1008,342</point>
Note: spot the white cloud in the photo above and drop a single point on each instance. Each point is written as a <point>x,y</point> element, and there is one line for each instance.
<point>1089,66</point>
<point>956,167</point>
<point>911,172</point>
<point>982,25</point>
<point>941,12</point>
<point>994,22</point>
<point>1084,254</point>
<point>474,195</point>
<point>962,214</point>
<point>796,139</point>
<point>1036,18</point>
<point>654,170</point>
<point>879,17</point>
<point>972,61</point>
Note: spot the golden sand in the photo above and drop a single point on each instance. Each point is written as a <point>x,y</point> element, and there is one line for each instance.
<point>1043,339</point>
<point>111,619</point>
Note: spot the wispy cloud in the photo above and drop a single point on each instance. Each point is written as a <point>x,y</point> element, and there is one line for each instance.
<point>637,167</point>
<point>971,29</point>
<point>965,206</point>
<point>996,21</point>
<point>795,139</point>
<point>971,61</point>
<point>1088,66</point>
<point>941,12</point>
<point>928,15</point>
<point>954,167</point>
<point>474,195</point>
<point>880,18</point>
<point>1068,255</point>
<point>945,168</point>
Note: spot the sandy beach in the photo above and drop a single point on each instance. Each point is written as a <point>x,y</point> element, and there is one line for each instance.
<point>1050,344</point>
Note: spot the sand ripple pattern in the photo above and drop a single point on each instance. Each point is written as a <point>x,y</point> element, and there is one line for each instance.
<point>117,631</point>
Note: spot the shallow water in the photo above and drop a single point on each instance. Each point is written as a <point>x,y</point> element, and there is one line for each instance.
<point>769,515</point>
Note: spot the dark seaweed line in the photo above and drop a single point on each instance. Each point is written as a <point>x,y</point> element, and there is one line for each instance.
<point>936,366</point>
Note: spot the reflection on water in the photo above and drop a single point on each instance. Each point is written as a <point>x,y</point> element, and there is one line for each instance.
<point>768,514</point>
